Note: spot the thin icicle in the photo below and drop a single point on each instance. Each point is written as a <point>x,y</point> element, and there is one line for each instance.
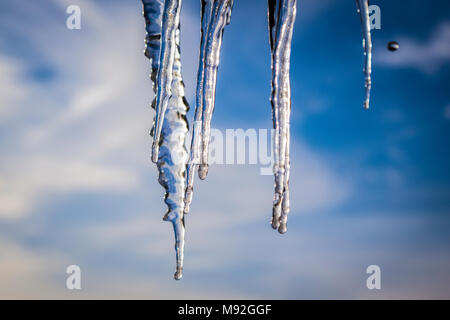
<point>215,16</point>
<point>363,10</point>
<point>172,158</point>
<point>221,13</point>
<point>170,25</point>
<point>281,16</point>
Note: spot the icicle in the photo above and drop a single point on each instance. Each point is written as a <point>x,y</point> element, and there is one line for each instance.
<point>221,13</point>
<point>172,158</point>
<point>215,16</point>
<point>363,10</point>
<point>170,25</point>
<point>281,16</point>
<point>393,46</point>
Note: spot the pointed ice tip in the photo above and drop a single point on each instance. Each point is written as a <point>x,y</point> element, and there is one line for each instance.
<point>178,274</point>
<point>155,153</point>
<point>186,208</point>
<point>366,105</point>
<point>275,224</point>
<point>276,214</point>
<point>203,171</point>
<point>282,229</point>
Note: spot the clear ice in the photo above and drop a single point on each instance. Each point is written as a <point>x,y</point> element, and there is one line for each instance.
<point>163,50</point>
<point>177,168</point>
<point>215,15</point>
<point>281,18</point>
<point>363,10</point>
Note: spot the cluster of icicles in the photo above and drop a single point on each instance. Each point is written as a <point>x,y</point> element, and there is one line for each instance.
<point>177,167</point>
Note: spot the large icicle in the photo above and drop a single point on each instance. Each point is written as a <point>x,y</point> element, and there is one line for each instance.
<point>216,15</point>
<point>170,26</point>
<point>172,157</point>
<point>281,16</point>
<point>363,10</point>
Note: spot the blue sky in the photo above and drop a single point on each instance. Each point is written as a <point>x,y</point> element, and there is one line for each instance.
<point>368,187</point>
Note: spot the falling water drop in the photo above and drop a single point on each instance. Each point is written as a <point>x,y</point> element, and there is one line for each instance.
<point>393,46</point>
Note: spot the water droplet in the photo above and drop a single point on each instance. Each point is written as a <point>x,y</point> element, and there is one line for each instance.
<point>393,46</point>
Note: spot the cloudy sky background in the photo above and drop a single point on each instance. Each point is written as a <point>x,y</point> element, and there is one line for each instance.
<point>368,187</point>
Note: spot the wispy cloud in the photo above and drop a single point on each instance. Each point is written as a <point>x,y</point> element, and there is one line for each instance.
<point>12,90</point>
<point>427,56</point>
<point>81,128</point>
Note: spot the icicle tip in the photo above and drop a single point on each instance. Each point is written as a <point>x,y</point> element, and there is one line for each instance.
<point>155,151</point>
<point>282,229</point>
<point>178,274</point>
<point>203,171</point>
<point>366,105</point>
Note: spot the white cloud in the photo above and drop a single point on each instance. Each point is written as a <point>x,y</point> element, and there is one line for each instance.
<point>24,273</point>
<point>426,56</point>
<point>24,183</point>
<point>12,90</point>
<point>88,119</point>
<point>32,274</point>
